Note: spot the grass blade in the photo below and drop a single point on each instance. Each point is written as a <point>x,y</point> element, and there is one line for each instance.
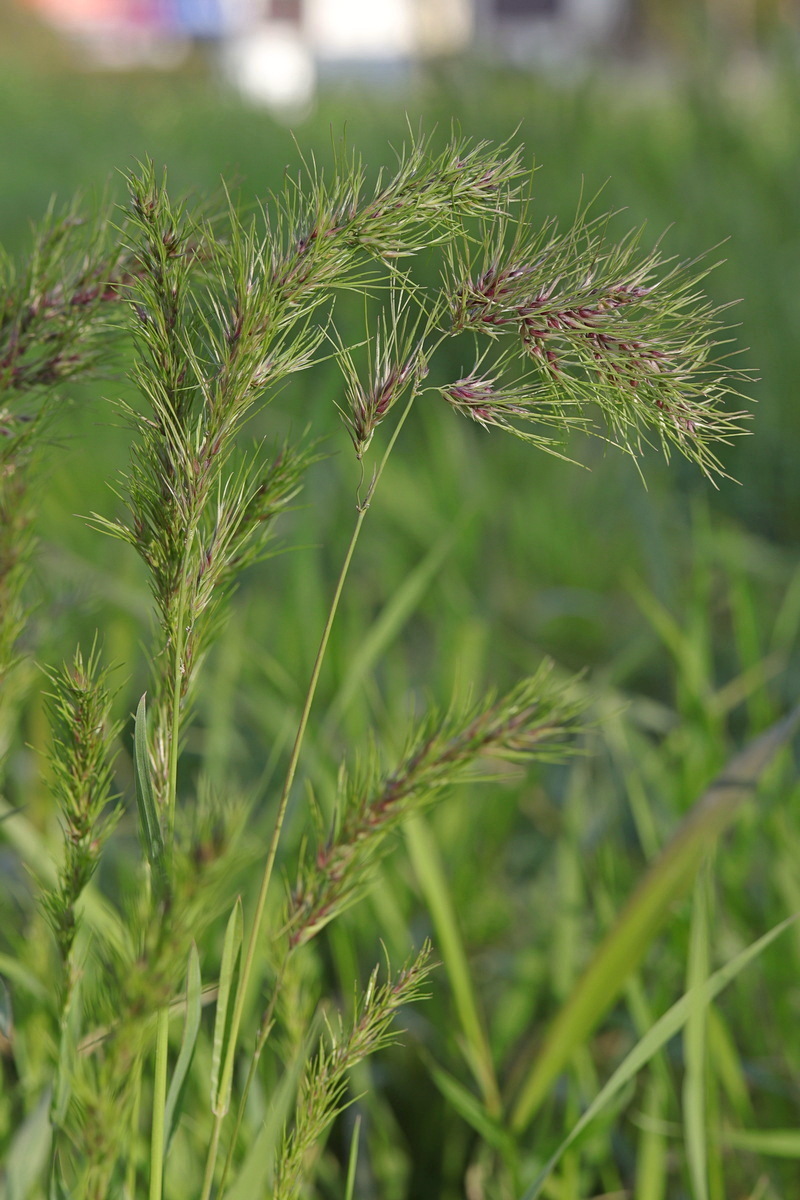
<point>471,1110</point>
<point>149,822</point>
<point>666,881</point>
<point>776,1143</point>
<point>254,1177</point>
<point>221,1083</point>
<point>191,1027</point>
<point>665,1028</point>
<point>29,1152</point>
<point>431,875</point>
<point>652,1152</point>
<point>695,1131</point>
<point>352,1162</point>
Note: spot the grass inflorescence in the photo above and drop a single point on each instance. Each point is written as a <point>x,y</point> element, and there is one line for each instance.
<point>220,308</point>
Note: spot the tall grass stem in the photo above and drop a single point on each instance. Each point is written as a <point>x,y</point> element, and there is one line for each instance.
<point>283,804</point>
<point>159,1106</point>
<point>157,1145</point>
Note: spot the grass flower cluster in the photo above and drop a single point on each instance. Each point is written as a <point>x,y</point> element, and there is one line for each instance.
<point>168,1041</point>
<point>53,326</point>
<point>530,722</point>
<point>614,328</point>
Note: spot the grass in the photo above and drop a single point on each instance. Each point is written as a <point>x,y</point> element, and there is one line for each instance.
<point>683,601</point>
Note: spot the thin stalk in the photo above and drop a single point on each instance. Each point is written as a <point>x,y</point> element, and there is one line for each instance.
<point>159,1106</point>
<point>273,849</point>
<point>283,804</point>
<point>157,1147</point>
<point>263,1033</point>
<point>213,1149</point>
<point>130,1173</point>
<point>177,683</point>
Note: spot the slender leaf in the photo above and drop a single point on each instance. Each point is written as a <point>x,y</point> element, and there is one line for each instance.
<point>729,1068</point>
<point>149,823</point>
<point>652,1148</point>
<point>228,975</point>
<point>29,1152</point>
<point>352,1161</point>
<point>626,943</point>
<point>665,1028</point>
<point>775,1143</point>
<point>469,1107</point>
<point>256,1172</point>
<point>191,1028</point>
<point>433,881</point>
<point>694,1042</point>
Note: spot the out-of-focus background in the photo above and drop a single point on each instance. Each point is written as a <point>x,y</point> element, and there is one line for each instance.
<point>683,599</point>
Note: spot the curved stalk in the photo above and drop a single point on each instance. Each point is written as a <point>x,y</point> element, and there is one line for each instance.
<point>283,804</point>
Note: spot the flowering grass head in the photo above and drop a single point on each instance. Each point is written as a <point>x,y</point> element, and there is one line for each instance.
<point>601,325</point>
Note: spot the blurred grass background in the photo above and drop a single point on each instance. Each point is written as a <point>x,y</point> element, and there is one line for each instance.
<point>479,557</point>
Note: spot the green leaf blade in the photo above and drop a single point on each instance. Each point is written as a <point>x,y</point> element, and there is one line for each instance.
<point>222,1081</point>
<point>191,1029</point>
<point>149,822</point>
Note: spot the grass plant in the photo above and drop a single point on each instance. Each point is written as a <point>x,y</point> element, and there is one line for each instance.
<point>176,1022</point>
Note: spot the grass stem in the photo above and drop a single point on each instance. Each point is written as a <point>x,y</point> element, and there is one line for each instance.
<point>208,1178</point>
<point>130,1170</point>
<point>263,1033</point>
<point>159,1106</point>
<point>158,1148</point>
<point>177,687</point>
<point>283,803</point>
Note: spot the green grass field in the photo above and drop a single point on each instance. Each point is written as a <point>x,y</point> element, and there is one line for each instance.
<point>480,557</point>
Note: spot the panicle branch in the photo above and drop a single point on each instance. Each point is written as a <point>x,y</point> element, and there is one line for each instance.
<point>323,1086</point>
<point>431,195</point>
<point>602,324</point>
<point>397,360</point>
<point>53,318</point>
<point>81,759</point>
<point>508,396</point>
<point>211,338</point>
<point>54,311</point>
<point>321,225</point>
<point>532,723</point>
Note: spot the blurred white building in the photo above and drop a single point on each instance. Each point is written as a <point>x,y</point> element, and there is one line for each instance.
<point>279,59</point>
<point>547,32</point>
<point>275,51</point>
